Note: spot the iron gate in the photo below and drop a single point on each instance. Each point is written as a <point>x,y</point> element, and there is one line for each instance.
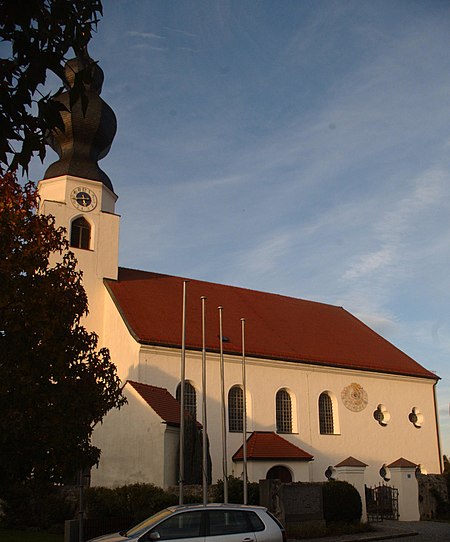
<point>381,502</point>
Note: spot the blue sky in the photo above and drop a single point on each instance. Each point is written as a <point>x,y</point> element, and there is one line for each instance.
<point>297,147</point>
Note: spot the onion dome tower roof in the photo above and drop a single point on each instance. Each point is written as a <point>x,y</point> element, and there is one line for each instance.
<point>88,131</point>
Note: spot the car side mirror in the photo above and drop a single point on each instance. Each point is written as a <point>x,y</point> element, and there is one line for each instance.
<point>154,536</point>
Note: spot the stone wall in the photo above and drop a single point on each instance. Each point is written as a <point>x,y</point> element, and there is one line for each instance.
<point>433,496</point>
<point>298,506</point>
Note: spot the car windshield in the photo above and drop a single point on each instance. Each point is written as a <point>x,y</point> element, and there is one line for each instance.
<point>147,523</point>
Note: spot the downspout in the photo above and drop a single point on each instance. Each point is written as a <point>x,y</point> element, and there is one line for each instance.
<point>438,434</point>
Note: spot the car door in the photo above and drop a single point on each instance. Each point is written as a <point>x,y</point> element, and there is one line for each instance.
<point>228,526</point>
<point>184,526</point>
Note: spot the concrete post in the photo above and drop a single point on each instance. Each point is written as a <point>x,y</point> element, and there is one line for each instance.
<point>403,477</point>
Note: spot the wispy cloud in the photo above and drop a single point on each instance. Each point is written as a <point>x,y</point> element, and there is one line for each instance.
<point>145,35</point>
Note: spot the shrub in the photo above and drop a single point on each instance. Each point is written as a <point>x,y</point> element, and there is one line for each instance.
<point>134,501</point>
<point>236,491</point>
<point>26,505</point>
<point>341,502</point>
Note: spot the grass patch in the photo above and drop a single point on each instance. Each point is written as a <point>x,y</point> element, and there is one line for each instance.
<point>13,535</point>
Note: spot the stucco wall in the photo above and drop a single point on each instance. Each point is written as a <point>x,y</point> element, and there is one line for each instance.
<point>360,435</point>
<point>132,444</point>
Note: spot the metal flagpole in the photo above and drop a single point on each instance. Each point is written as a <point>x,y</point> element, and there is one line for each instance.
<point>182,381</point>
<point>224,427</point>
<point>205,441</point>
<point>244,412</point>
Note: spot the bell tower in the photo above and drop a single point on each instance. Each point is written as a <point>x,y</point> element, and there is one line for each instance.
<point>77,192</point>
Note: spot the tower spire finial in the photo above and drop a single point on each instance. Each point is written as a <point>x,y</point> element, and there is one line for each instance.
<point>89,128</point>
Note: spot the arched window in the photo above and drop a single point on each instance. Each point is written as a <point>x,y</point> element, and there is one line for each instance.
<point>283,412</point>
<point>326,421</point>
<point>190,398</point>
<point>80,233</point>
<point>235,409</point>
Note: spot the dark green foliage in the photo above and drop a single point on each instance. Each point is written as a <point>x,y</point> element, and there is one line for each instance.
<point>236,491</point>
<point>443,503</point>
<point>446,465</point>
<point>40,34</point>
<point>28,506</point>
<point>341,502</point>
<point>134,501</point>
<point>55,385</point>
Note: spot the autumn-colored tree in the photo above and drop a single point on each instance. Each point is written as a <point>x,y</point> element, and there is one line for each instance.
<point>54,383</point>
<point>36,36</point>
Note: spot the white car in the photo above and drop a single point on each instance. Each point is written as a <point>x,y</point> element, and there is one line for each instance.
<point>205,523</point>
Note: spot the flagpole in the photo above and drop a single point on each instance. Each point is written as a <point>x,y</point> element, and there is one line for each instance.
<point>182,382</point>
<point>204,441</point>
<point>224,428</point>
<point>244,413</point>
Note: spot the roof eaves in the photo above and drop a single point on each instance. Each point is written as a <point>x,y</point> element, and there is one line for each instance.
<point>119,308</point>
<point>319,363</point>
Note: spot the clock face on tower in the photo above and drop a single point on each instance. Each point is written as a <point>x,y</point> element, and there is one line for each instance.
<point>83,198</point>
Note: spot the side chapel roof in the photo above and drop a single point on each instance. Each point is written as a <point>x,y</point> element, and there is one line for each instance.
<point>160,400</point>
<point>277,327</point>
<point>268,445</point>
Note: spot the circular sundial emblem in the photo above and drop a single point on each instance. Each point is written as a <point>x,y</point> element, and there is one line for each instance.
<point>354,397</point>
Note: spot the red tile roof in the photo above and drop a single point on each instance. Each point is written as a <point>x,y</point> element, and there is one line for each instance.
<point>351,462</point>
<point>269,445</point>
<point>160,400</point>
<point>277,327</point>
<point>402,462</point>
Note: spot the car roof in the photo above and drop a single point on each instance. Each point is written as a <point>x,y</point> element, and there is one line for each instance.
<point>209,506</point>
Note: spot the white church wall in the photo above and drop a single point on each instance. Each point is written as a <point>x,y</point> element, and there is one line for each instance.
<point>360,435</point>
<point>123,347</point>
<point>132,444</point>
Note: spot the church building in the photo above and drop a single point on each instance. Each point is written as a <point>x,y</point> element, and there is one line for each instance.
<point>323,390</point>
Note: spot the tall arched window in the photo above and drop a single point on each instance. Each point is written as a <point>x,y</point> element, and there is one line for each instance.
<point>190,398</point>
<point>235,409</point>
<point>326,421</point>
<point>283,412</point>
<point>80,233</point>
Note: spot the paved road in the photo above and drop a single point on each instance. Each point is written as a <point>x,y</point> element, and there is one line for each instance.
<point>428,531</point>
<point>404,531</point>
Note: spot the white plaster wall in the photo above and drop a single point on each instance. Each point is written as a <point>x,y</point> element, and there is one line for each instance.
<point>102,260</point>
<point>132,444</point>
<point>123,347</point>
<point>360,434</point>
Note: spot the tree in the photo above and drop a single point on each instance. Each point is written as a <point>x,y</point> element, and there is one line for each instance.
<point>54,383</point>
<point>446,465</point>
<point>40,34</point>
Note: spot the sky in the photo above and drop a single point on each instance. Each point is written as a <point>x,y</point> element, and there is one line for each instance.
<point>296,147</point>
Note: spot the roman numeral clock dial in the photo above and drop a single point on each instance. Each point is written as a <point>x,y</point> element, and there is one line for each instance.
<point>83,198</point>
